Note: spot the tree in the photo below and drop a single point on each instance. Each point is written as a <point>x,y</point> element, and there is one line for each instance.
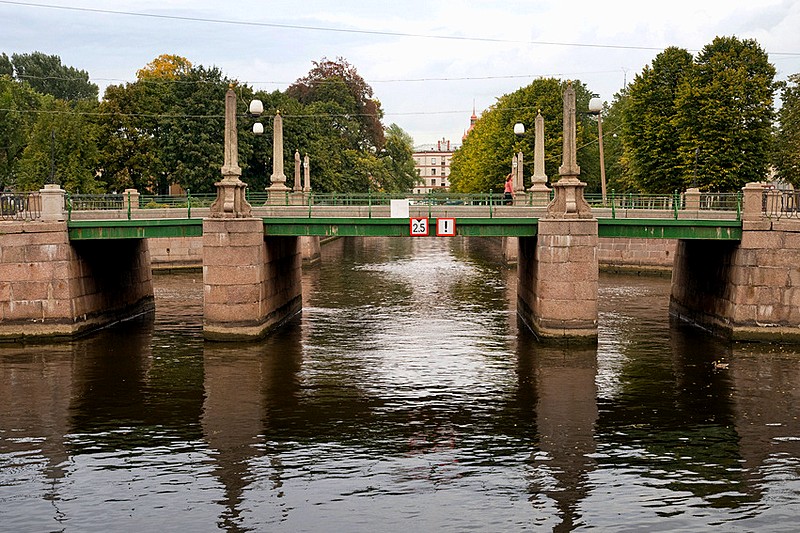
<point>787,139</point>
<point>725,115</point>
<point>6,68</point>
<point>484,159</point>
<point>18,111</point>
<point>62,149</point>
<point>396,171</point>
<point>47,75</point>
<point>168,127</point>
<point>165,67</point>
<point>338,81</point>
<point>650,134</point>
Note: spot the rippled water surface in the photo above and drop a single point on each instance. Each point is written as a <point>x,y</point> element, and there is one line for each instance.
<point>403,398</point>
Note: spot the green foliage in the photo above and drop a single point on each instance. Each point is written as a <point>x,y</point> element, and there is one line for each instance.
<point>18,111</point>
<point>725,115</point>
<point>787,140</point>
<point>396,172</point>
<point>159,131</point>
<point>6,68</point>
<point>338,81</point>
<point>47,75</point>
<point>62,149</point>
<point>484,159</point>
<point>650,133</point>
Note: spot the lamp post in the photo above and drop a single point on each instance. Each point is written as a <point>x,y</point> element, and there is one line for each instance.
<point>596,108</point>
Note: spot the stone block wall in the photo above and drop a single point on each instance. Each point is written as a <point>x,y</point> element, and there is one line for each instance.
<point>51,287</point>
<point>558,279</point>
<point>638,254</point>
<point>748,290</point>
<point>176,252</point>
<point>252,284</point>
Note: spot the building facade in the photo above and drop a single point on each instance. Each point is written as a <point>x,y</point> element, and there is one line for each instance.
<point>432,162</point>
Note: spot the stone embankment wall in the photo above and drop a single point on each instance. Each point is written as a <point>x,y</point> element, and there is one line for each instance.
<point>52,287</point>
<point>187,252</point>
<point>636,254</point>
<point>613,254</point>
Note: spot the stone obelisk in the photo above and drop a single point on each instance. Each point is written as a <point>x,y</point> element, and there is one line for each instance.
<point>539,190</point>
<point>298,185</point>
<point>306,174</point>
<point>278,178</point>
<point>569,201</point>
<point>230,202</point>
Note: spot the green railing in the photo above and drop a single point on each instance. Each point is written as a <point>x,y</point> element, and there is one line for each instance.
<point>671,205</point>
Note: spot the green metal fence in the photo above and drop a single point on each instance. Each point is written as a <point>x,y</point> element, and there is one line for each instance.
<point>671,205</point>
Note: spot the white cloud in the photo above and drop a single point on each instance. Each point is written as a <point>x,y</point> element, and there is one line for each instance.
<point>114,46</point>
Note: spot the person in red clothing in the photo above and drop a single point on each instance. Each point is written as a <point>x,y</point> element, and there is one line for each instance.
<point>508,196</point>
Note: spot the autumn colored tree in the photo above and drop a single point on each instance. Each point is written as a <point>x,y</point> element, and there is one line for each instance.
<point>165,67</point>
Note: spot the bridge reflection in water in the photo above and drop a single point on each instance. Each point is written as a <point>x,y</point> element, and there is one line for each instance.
<point>405,395</point>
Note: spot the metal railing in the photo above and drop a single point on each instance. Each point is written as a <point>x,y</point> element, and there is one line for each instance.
<point>669,205</point>
<point>20,206</point>
<point>781,204</point>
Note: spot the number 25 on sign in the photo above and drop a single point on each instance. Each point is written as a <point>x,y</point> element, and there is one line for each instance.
<point>418,227</point>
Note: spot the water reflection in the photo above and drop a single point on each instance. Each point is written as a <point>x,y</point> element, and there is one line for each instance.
<point>405,395</point>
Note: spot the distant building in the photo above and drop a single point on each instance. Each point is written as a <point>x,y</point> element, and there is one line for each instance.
<point>432,162</point>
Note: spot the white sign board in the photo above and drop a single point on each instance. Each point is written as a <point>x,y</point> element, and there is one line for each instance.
<point>418,227</point>
<point>399,208</point>
<point>445,227</point>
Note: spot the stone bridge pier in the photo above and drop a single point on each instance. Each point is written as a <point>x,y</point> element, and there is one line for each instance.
<point>558,269</point>
<point>748,290</point>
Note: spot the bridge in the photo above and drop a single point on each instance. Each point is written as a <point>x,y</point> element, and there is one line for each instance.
<point>96,245</point>
<point>692,215</point>
<point>68,265</point>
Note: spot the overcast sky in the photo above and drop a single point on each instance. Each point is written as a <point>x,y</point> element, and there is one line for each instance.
<point>428,62</point>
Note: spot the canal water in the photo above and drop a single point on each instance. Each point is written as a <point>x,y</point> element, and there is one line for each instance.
<point>404,397</point>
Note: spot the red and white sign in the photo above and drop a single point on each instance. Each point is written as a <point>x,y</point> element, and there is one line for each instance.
<point>418,227</point>
<point>445,227</point>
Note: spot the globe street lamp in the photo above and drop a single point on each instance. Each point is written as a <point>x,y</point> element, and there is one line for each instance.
<point>255,110</point>
<point>596,108</point>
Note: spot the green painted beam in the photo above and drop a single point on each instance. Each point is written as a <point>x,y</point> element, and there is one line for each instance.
<point>134,229</point>
<point>396,227</point>
<point>652,228</point>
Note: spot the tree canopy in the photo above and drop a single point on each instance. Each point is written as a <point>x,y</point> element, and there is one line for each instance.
<point>484,159</point>
<point>787,142</point>
<point>705,122</point>
<point>47,75</point>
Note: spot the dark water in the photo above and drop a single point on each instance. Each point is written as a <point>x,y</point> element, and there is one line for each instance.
<point>405,398</point>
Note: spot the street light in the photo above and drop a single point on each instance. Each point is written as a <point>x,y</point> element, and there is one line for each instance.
<point>596,108</point>
<point>255,109</point>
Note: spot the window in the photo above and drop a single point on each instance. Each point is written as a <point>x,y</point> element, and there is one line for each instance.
<point>433,172</point>
<point>433,182</point>
<point>433,160</point>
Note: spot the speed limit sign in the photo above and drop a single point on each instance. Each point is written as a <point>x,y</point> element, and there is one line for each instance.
<point>418,227</point>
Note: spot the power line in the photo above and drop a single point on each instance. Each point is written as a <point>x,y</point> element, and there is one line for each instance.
<point>342,30</point>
